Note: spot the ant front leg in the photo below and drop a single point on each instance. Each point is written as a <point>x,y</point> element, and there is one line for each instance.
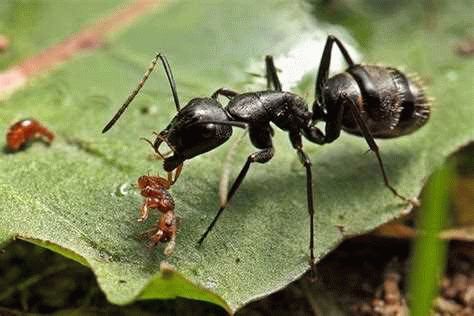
<point>373,147</point>
<point>259,136</point>
<point>295,139</point>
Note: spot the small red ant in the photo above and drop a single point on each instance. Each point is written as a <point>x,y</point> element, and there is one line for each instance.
<point>25,131</point>
<point>155,191</point>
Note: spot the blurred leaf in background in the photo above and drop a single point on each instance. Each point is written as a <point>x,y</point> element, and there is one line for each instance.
<point>429,251</point>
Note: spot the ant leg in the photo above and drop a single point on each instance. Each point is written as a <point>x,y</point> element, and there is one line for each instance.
<point>323,71</point>
<point>228,162</point>
<point>224,92</point>
<point>295,138</point>
<point>333,119</point>
<point>261,157</point>
<point>170,246</point>
<point>144,211</point>
<point>271,74</point>
<point>373,146</point>
<point>172,83</point>
<point>168,225</point>
<point>306,123</point>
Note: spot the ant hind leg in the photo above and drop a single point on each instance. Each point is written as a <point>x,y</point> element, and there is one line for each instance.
<point>373,146</point>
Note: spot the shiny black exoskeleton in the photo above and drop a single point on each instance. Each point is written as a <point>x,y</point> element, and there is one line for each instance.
<point>365,100</point>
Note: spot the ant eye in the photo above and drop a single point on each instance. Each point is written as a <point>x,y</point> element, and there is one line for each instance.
<point>209,131</point>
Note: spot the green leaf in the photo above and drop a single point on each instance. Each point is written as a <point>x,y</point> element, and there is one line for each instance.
<point>66,197</point>
<point>27,24</point>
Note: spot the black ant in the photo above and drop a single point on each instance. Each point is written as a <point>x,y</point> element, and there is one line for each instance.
<point>365,100</point>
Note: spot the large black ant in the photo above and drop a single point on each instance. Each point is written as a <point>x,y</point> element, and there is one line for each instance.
<point>365,100</point>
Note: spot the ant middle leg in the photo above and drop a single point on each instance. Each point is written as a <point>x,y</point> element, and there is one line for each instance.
<point>229,94</point>
<point>261,138</point>
<point>261,157</point>
<point>325,63</point>
<point>271,74</point>
<point>228,162</point>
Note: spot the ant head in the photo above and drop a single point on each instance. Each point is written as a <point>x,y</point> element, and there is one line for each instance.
<point>197,128</point>
<point>156,182</point>
<point>143,182</point>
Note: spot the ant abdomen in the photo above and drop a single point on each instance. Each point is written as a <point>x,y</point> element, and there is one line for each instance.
<point>391,103</point>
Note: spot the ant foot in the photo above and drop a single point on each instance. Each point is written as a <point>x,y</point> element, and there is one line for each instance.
<point>312,275</point>
<point>414,202</point>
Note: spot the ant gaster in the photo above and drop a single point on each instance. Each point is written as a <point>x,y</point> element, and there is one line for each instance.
<point>365,100</point>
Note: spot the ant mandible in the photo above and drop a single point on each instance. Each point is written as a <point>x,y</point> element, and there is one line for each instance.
<point>365,100</point>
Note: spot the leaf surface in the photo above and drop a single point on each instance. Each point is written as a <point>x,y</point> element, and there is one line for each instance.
<point>75,197</point>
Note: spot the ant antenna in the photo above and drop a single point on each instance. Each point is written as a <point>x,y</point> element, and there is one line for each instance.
<point>169,75</point>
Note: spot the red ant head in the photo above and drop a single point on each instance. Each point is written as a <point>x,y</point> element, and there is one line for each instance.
<point>153,181</point>
<point>143,182</point>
